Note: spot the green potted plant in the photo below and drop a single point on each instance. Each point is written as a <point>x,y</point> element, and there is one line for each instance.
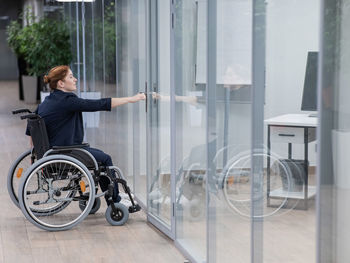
<point>42,44</point>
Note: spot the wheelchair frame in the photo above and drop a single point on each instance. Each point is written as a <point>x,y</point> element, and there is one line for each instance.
<point>62,165</point>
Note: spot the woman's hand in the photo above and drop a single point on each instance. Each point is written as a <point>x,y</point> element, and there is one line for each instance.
<point>121,101</point>
<point>137,97</point>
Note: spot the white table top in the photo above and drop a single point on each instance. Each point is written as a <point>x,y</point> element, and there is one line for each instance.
<point>293,120</point>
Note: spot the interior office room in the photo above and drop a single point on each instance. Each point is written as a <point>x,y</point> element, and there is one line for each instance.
<point>238,152</point>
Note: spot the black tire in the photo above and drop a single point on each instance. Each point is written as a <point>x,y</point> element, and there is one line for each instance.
<point>96,206</point>
<point>119,218</point>
<point>18,168</point>
<point>56,171</point>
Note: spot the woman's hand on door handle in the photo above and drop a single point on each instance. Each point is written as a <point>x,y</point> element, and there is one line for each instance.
<point>139,96</point>
<point>115,102</point>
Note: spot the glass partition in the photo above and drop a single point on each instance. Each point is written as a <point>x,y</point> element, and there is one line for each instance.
<point>138,61</point>
<point>292,47</point>
<point>160,205</point>
<point>190,124</point>
<point>94,72</point>
<point>334,137</point>
<point>108,48</point>
<point>116,127</point>
<point>229,130</point>
<point>131,78</point>
<point>73,15</point>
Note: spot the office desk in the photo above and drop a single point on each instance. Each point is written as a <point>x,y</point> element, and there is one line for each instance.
<point>291,129</point>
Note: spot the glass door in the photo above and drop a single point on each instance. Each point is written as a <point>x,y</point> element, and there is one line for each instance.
<point>131,79</point>
<point>137,47</point>
<point>160,201</point>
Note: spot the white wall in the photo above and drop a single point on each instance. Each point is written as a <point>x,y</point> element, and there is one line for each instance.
<point>292,30</point>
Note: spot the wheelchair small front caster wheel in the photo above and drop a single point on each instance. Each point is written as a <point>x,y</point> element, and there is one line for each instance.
<point>196,210</point>
<point>95,207</point>
<point>117,217</point>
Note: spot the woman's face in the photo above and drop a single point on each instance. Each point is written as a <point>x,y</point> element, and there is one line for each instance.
<point>69,82</point>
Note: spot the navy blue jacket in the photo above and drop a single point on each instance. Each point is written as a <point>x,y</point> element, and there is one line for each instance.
<point>62,113</point>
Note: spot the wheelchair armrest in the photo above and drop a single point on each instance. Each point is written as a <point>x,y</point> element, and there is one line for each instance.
<point>70,146</point>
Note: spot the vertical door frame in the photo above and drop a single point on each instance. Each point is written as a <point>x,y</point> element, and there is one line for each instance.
<point>211,128</point>
<point>257,139</point>
<point>327,77</point>
<point>136,134</point>
<point>172,119</point>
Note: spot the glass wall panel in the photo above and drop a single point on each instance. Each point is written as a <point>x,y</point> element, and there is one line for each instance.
<point>292,47</point>
<point>190,108</point>
<point>138,62</point>
<point>334,184</point>
<point>74,12</point>
<point>229,131</point>
<point>108,45</point>
<point>80,47</point>
<point>159,198</point>
<point>120,132</point>
<point>94,72</point>
<point>112,125</point>
<point>131,76</point>
<point>69,8</point>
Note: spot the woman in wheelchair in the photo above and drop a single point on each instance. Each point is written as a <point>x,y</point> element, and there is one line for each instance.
<point>61,112</point>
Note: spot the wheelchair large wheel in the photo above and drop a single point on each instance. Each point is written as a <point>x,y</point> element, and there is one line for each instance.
<point>55,185</point>
<point>237,185</point>
<point>18,168</point>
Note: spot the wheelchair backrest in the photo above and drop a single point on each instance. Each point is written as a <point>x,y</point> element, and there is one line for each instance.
<point>39,136</point>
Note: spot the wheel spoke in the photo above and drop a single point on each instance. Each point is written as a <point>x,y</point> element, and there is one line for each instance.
<point>57,207</point>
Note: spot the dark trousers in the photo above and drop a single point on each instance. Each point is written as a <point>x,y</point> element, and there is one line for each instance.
<point>105,160</point>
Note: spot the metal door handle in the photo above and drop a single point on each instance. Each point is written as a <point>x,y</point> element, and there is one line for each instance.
<point>142,92</point>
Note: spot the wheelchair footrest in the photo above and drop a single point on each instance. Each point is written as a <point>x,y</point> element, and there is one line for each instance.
<point>134,208</point>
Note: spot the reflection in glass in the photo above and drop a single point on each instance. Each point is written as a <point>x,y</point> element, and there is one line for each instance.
<point>159,197</point>
<point>291,233</point>
<point>190,107</point>
<point>334,184</point>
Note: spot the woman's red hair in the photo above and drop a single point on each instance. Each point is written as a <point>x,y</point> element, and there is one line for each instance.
<point>56,74</point>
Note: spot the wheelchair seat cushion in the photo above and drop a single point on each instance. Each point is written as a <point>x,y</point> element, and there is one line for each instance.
<point>71,146</point>
<point>81,156</point>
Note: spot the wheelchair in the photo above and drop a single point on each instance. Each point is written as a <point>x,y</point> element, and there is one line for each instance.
<point>231,183</point>
<point>58,186</point>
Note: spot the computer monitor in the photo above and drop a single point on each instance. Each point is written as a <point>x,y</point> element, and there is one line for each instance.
<point>309,102</point>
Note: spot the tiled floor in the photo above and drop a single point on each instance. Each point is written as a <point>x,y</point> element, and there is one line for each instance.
<point>93,240</point>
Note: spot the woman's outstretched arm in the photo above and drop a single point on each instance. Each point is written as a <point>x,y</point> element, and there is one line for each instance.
<point>121,101</point>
